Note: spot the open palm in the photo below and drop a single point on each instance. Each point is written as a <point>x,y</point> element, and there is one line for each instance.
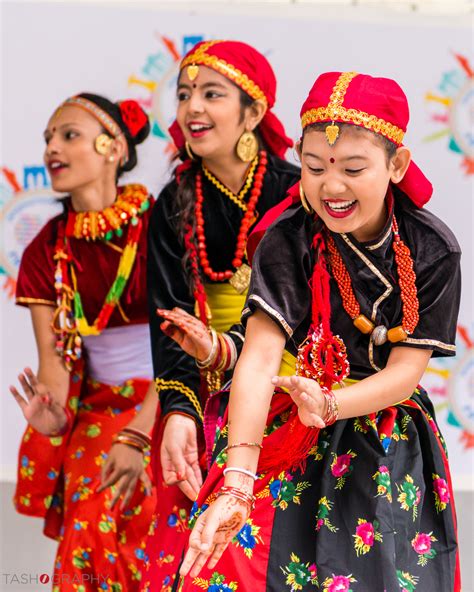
<point>39,408</point>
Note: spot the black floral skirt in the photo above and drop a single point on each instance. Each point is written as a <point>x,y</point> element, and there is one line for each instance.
<point>372,511</point>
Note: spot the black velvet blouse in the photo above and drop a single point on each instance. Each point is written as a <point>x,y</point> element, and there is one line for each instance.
<point>168,284</point>
<point>283,265</point>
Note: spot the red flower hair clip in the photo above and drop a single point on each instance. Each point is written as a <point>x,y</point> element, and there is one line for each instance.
<point>133,116</point>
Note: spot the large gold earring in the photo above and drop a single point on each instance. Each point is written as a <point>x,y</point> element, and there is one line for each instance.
<point>247,147</point>
<point>304,202</point>
<point>189,152</point>
<point>102,144</point>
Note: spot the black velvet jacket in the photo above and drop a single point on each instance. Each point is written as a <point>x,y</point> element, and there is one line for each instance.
<point>168,284</point>
<point>283,265</point>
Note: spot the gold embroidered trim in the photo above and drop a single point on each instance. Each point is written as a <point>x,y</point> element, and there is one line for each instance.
<point>228,70</point>
<point>433,342</point>
<point>380,299</point>
<point>381,241</point>
<point>238,199</point>
<point>335,111</point>
<point>25,300</point>
<point>271,311</point>
<point>176,385</point>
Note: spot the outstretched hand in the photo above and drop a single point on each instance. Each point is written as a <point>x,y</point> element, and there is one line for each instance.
<point>123,468</point>
<point>306,393</point>
<point>40,408</point>
<point>213,531</point>
<point>180,455</point>
<point>189,332</point>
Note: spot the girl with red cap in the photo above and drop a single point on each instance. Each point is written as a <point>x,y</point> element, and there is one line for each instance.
<point>84,435</point>
<point>232,146</point>
<point>354,285</point>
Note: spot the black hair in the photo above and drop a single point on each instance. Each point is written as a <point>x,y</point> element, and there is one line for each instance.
<point>113,110</point>
<point>388,146</point>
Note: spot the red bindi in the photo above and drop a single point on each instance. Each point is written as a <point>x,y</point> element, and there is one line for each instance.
<point>331,160</point>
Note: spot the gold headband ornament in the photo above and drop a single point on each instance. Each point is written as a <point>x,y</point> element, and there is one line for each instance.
<point>336,111</point>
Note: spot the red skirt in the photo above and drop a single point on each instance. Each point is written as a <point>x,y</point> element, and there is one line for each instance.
<point>99,548</point>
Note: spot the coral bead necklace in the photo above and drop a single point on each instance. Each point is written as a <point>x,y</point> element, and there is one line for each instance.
<point>408,292</point>
<point>247,220</point>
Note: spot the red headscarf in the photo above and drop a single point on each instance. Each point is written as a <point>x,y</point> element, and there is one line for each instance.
<point>249,70</point>
<point>377,104</point>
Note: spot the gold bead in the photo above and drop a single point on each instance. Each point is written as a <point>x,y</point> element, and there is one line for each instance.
<point>363,324</point>
<point>397,334</point>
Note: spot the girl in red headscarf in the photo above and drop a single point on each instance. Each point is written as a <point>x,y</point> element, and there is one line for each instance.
<point>83,458</point>
<point>355,285</point>
<point>232,147</point>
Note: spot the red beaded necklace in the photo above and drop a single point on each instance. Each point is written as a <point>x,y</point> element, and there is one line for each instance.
<point>408,292</point>
<point>198,254</point>
<point>220,276</point>
<point>323,356</point>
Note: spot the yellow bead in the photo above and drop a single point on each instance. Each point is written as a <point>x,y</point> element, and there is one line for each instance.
<point>396,334</point>
<point>363,324</point>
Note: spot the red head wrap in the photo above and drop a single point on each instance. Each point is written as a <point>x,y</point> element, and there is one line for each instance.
<point>377,104</point>
<point>249,70</point>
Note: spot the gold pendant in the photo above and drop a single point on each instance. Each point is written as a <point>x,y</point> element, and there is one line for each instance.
<point>241,279</point>
<point>332,133</point>
<point>192,71</point>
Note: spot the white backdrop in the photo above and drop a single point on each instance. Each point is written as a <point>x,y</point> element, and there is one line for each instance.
<point>52,50</point>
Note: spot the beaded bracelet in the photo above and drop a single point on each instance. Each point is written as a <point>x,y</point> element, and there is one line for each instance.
<point>332,410</point>
<point>243,496</point>
<point>66,427</point>
<point>239,470</point>
<point>240,444</point>
<point>211,358</point>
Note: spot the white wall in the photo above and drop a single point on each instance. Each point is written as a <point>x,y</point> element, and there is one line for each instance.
<point>52,50</point>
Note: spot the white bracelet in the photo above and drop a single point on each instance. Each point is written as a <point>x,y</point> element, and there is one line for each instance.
<point>211,358</point>
<point>239,470</point>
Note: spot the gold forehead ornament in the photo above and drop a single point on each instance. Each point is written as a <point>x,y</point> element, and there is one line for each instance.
<point>332,133</point>
<point>192,72</point>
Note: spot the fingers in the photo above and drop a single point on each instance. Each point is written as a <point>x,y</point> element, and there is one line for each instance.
<point>216,555</point>
<point>188,490</point>
<point>127,486</point>
<point>18,398</point>
<point>147,484</point>
<point>291,382</point>
<point>27,388</point>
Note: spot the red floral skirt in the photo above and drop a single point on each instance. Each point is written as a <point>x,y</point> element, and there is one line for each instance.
<point>99,548</point>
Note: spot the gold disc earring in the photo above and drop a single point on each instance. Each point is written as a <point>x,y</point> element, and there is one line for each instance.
<point>247,147</point>
<point>102,144</point>
<point>304,202</point>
